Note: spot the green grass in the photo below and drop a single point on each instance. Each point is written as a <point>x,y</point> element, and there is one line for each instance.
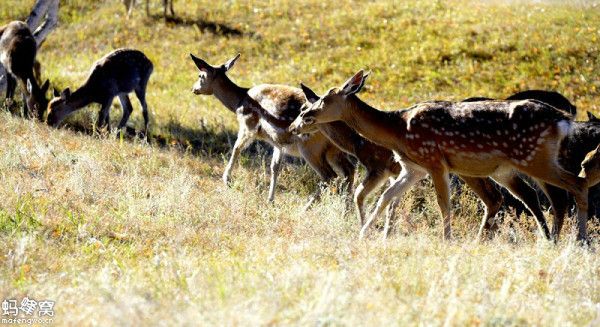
<point>119,232</point>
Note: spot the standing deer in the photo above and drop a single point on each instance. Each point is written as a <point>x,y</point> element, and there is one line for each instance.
<point>381,165</point>
<point>281,101</point>
<point>115,75</point>
<point>17,54</point>
<point>581,139</point>
<point>478,139</point>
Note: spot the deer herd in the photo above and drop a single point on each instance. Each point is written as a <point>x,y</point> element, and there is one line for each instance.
<point>529,138</point>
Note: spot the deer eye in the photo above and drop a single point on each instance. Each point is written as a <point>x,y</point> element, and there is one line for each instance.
<point>309,120</point>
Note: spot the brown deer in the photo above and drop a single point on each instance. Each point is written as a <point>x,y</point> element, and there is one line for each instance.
<point>281,101</point>
<point>17,54</point>
<point>115,75</point>
<point>381,166</point>
<point>477,139</point>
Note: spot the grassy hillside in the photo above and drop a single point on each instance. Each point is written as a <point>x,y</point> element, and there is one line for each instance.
<point>119,232</point>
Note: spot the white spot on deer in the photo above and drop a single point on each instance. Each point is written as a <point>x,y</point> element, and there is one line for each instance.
<point>504,144</point>
<point>480,146</point>
<point>540,140</point>
<point>515,126</point>
<point>494,143</point>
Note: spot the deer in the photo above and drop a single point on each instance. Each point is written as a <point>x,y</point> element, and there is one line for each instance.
<point>168,10</point>
<point>380,166</point>
<point>581,139</point>
<point>18,50</point>
<point>281,101</point>
<point>117,74</point>
<point>478,139</point>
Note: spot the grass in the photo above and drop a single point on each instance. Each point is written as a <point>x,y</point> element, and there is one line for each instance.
<point>121,233</point>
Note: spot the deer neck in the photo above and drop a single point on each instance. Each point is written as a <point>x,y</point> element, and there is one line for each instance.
<point>230,94</point>
<point>385,128</point>
<point>82,97</point>
<point>343,137</point>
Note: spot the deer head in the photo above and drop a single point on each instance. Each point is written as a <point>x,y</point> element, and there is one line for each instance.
<point>59,107</point>
<point>36,98</point>
<point>208,74</point>
<point>590,167</point>
<point>328,108</point>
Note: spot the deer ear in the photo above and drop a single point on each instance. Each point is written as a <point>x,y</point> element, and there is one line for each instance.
<point>201,64</point>
<point>56,92</point>
<point>355,83</point>
<point>45,87</point>
<point>309,94</point>
<point>65,94</point>
<point>29,86</point>
<point>227,66</point>
<point>592,117</point>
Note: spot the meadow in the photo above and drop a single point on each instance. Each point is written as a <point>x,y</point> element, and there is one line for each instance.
<point>120,232</point>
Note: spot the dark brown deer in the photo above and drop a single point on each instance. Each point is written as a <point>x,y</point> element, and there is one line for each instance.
<point>477,139</point>
<point>115,75</point>
<point>17,54</point>
<point>283,102</point>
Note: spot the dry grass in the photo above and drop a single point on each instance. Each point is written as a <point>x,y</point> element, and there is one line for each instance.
<point>122,233</point>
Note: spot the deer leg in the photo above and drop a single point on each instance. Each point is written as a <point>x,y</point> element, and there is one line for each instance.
<point>343,167</point>
<point>317,161</point>
<point>527,195</point>
<point>171,8</point>
<point>550,172</point>
<point>275,165</point>
<point>491,198</point>
<point>373,179</point>
<point>558,199</point>
<point>407,178</point>
<point>243,140</point>
<point>140,93</point>
<point>127,109</point>
<point>441,184</point>
<point>148,8</point>
<point>11,85</point>
<point>103,115</point>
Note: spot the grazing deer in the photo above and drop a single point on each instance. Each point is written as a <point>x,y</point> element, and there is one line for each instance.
<point>168,10</point>
<point>17,54</point>
<point>477,139</point>
<point>281,101</point>
<point>115,75</point>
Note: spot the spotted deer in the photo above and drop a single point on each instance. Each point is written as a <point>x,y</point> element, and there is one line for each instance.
<point>477,139</point>
<point>281,101</point>
<point>17,54</point>
<point>582,138</point>
<point>381,166</point>
<point>115,75</point>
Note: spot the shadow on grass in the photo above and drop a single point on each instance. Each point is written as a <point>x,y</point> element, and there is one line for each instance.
<point>204,26</point>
